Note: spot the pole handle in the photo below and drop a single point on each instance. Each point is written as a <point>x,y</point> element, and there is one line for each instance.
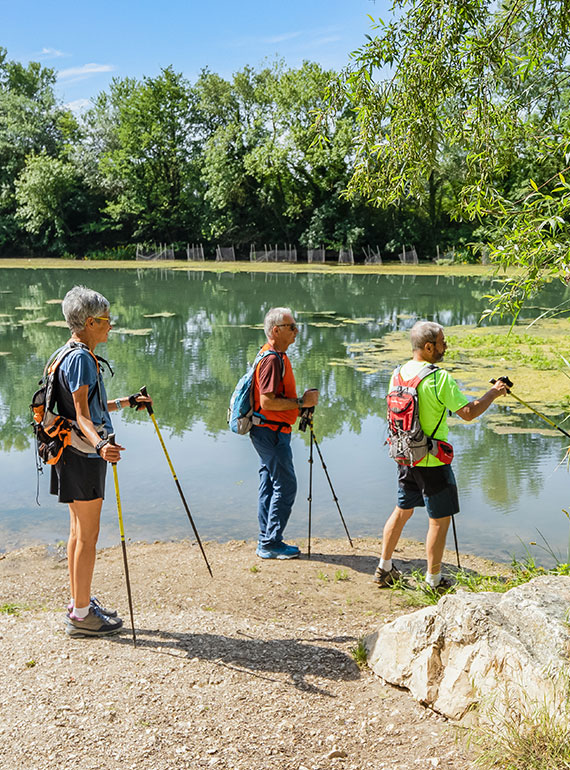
<point>144,392</point>
<point>504,379</point>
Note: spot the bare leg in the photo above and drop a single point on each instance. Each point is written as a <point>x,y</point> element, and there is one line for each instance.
<point>435,543</point>
<point>84,516</point>
<point>393,529</point>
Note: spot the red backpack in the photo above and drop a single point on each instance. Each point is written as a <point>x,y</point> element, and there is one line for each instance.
<point>408,444</point>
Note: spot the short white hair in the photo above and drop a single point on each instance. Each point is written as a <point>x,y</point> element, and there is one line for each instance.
<point>423,332</point>
<point>81,303</point>
<point>274,317</point>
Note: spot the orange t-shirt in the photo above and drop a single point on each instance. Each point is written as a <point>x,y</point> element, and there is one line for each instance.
<point>268,380</point>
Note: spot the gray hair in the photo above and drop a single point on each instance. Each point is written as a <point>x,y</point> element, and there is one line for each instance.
<point>81,303</point>
<point>274,317</point>
<point>423,332</point>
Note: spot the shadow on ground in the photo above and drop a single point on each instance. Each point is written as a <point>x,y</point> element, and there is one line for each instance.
<point>295,657</point>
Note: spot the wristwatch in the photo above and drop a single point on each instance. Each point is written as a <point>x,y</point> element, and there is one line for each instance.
<point>100,445</point>
<point>300,402</point>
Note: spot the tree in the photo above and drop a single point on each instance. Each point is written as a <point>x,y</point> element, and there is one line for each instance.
<point>265,177</point>
<point>31,122</point>
<point>52,203</point>
<point>487,81</point>
<point>143,138</point>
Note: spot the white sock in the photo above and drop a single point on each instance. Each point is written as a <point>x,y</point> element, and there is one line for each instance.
<point>434,580</point>
<point>386,564</point>
<point>81,612</point>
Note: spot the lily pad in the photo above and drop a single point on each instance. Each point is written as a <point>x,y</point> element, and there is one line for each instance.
<point>316,312</point>
<point>164,314</point>
<point>30,321</point>
<point>323,324</point>
<point>132,332</point>
<point>506,429</point>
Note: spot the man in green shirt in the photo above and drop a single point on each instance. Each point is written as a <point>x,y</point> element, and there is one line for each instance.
<point>430,483</point>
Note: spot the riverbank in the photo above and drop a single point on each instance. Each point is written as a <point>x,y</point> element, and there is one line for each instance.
<point>251,669</point>
<point>332,268</point>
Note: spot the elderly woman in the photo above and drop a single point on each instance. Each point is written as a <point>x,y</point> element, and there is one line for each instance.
<point>78,478</point>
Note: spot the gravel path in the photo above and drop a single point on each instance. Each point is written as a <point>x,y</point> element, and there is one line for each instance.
<point>252,669</point>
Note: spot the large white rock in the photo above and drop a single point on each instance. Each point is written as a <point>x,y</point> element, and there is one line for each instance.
<point>472,647</point>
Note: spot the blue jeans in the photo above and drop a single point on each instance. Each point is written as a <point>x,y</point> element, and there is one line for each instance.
<point>277,483</point>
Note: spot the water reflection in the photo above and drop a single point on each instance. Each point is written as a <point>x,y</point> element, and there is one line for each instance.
<point>190,361</point>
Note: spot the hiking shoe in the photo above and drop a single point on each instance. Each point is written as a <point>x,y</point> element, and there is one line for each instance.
<point>444,586</point>
<point>278,551</point>
<point>385,578</point>
<point>94,602</point>
<point>95,624</point>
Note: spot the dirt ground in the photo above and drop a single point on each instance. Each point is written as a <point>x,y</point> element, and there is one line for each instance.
<point>251,669</point>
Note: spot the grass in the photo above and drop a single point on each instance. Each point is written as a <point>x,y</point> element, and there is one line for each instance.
<point>419,594</point>
<point>526,734</point>
<point>254,569</point>
<point>11,608</point>
<point>322,576</point>
<point>359,653</point>
<point>341,574</point>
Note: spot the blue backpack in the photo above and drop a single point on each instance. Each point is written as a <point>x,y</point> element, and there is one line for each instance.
<point>241,415</point>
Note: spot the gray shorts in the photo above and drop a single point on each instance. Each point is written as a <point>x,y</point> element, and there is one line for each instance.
<point>433,487</point>
<point>78,477</point>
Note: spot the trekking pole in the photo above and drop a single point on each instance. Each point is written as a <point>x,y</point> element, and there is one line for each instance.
<point>335,498</point>
<point>123,544</point>
<point>310,497</point>
<point>509,385</point>
<point>150,410</point>
<point>455,538</point>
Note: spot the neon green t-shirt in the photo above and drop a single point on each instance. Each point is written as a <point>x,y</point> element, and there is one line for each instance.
<point>437,393</point>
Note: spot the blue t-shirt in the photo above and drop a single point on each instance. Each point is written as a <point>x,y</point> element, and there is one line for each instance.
<point>79,368</point>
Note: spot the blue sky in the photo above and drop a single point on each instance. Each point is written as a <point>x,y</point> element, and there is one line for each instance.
<point>88,43</point>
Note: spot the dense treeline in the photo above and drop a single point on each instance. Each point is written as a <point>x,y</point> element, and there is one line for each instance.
<point>474,95</point>
<point>217,161</point>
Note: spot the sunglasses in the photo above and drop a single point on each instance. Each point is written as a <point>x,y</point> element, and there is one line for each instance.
<point>293,327</point>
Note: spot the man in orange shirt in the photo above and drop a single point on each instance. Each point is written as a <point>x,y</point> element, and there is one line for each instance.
<point>276,408</point>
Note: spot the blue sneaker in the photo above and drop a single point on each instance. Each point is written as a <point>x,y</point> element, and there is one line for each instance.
<point>278,551</point>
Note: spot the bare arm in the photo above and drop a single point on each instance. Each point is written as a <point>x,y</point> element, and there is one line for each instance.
<point>110,452</point>
<point>475,408</point>
<point>272,403</point>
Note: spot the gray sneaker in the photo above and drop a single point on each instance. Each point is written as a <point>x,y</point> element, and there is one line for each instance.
<point>95,624</point>
<point>94,602</point>
<point>385,578</point>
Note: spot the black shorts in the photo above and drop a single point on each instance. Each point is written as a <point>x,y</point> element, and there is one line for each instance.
<point>78,477</point>
<point>433,487</point>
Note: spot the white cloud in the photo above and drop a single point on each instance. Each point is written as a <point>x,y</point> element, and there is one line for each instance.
<point>327,40</point>
<point>280,38</point>
<point>78,105</point>
<point>51,53</point>
<point>74,74</point>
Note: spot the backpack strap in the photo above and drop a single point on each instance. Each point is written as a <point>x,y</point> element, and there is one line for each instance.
<point>58,357</point>
<point>425,372</point>
<point>263,419</point>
